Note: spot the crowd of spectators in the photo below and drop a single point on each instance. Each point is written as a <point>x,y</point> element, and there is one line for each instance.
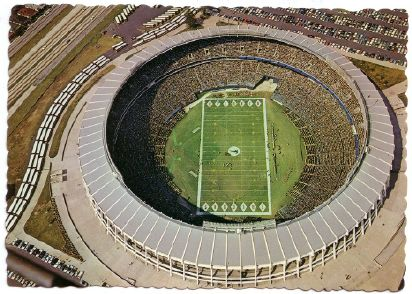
<point>137,144</point>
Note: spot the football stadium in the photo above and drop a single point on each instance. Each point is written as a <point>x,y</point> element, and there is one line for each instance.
<point>236,154</point>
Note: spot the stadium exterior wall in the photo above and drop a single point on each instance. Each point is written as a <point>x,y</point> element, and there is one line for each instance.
<point>256,256</point>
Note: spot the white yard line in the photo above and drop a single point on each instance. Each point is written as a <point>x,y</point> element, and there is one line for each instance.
<point>267,154</point>
<point>238,170</point>
<point>236,190</point>
<point>231,175</point>
<point>199,181</point>
<point>250,146</point>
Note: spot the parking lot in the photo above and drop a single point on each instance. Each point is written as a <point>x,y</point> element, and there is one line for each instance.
<point>376,34</point>
<point>133,27</point>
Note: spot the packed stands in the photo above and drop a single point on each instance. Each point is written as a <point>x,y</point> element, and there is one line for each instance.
<point>128,191</point>
<point>327,123</point>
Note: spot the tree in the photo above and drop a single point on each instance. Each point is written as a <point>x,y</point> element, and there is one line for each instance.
<point>193,22</point>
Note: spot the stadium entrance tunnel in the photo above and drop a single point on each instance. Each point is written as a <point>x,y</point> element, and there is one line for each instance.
<point>288,174</point>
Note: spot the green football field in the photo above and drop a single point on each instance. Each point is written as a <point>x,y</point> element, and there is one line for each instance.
<point>234,172</point>
<point>236,157</point>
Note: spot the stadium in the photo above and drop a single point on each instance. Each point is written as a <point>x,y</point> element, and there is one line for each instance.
<point>236,155</point>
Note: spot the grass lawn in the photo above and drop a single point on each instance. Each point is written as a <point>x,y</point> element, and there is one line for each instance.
<point>182,153</point>
<point>383,77</point>
<point>235,173</point>
<point>23,125</point>
<point>240,178</point>
<point>45,225</point>
<point>192,28</point>
<point>222,23</point>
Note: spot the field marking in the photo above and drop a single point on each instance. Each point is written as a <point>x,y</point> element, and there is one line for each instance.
<point>213,172</point>
<point>199,181</point>
<point>231,176</point>
<point>236,170</point>
<point>267,154</point>
<point>235,190</point>
<point>242,213</point>
<point>250,146</point>
<point>226,120</point>
<point>234,98</point>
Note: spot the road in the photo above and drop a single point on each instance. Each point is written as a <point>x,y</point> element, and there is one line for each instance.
<point>107,261</point>
<point>40,23</point>
<point>50,51</point>
<point>373,253</point>
<point>100,272</point>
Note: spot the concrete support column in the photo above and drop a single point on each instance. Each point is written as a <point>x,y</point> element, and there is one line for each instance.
<point>284,271</point>
<point>297,268</point>
<point>184,271</point>
<point>323,257</point>
<point>240,273</point>
<point>311,263</point>
<point>255,275</point>
<point>211,275</point>
<point>334,250</point>
<point>344,243</point>
<point>270,273</point>
<point>197,274</point>
<point>170,267</point>
<point>363,227</point>
<point>226,276</point>
<point>354,236</point>
<point>369,218</point>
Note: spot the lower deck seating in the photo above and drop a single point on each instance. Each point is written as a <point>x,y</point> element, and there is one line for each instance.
<point>137,143</point>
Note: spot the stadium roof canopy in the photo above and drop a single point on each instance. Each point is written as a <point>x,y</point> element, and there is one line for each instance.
<point>300,238</point>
